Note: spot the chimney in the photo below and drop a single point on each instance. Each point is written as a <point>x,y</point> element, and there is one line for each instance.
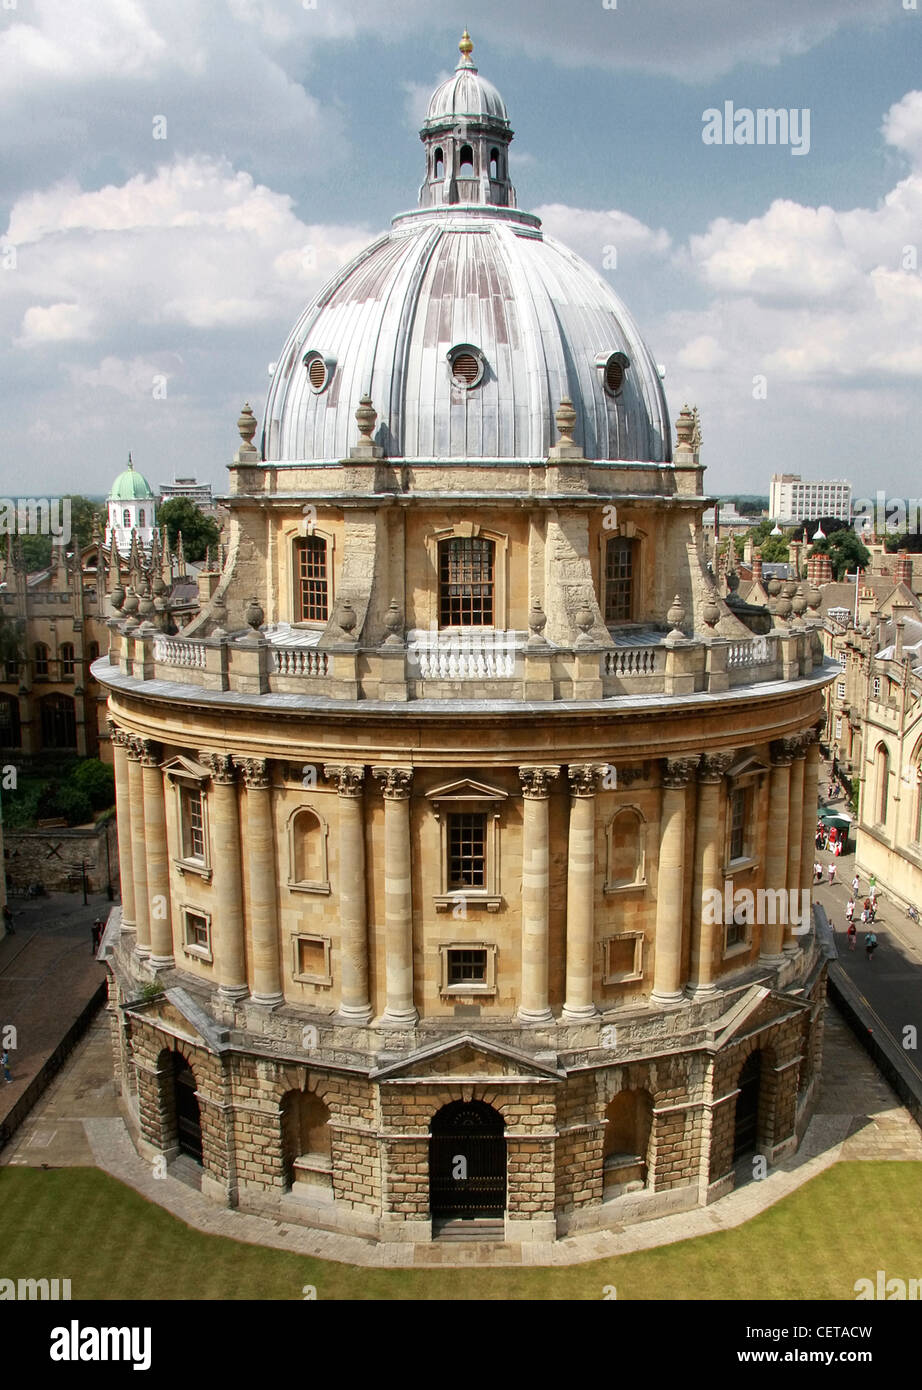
<point>899,625</point>
<point>902,570</point>
<point>757,566</point>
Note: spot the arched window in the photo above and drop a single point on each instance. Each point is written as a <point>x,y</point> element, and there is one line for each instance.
<point>625,850</point>
<point>312,581</point>
<point>438,166</point>
<point>466,162</point>
<point>307,838</point>
<point>620,580</point>
<point>882,783</point>
<point>126,517</point>
<point>141,517</point>
<point>10,733</point>
<point>466,582</point>
<point>41,661</point>
<point>67,660</point>
<point>59,722</point>
<point>494,164</point>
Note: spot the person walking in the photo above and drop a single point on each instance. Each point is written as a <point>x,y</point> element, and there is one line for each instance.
<point>97,934</point>
<point>5,1067</point>
<point>8,919</point>
<point>870,944</point>
<point>817,872</point>
<point>856,884</point>
<point>850,910</point>
<point>832,873</point>
<point>852,935</point>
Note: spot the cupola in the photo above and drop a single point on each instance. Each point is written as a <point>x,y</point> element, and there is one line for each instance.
<point>466,134</point>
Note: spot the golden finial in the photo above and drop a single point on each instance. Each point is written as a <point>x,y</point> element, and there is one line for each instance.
<point>465,45</point>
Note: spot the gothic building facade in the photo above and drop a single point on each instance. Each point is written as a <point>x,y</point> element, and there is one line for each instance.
<point>444,826</point>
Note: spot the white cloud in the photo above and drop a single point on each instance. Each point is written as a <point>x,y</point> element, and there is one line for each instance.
<point>55,323</point>
<point>596,234</point>
<point>903,126</point>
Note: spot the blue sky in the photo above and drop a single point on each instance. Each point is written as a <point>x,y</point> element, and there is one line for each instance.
<point>147,282</point>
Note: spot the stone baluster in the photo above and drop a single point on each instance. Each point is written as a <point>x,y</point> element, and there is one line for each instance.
<point>158,861</point>
<point>670,893</point>
<point>260,846</point>
<point>707,919</point>
<point>581,892</point>
<point>228,928</point>
<point>119,740</point>
<point>355,1003</point>
<point>536,788</point>
<point>396,784</point>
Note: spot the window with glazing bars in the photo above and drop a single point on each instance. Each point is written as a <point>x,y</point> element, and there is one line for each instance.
<point>196,931</point>
<point>619,581</point>
<point>466,582</point>
<point>194,825</point>
<point>467,854</point>
<point>738,825</point>
<point>467,967</point>
<point>313,591</point>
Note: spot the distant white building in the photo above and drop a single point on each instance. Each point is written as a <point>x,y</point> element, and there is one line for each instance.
<point>199,493</point>
<point>130,507</point>
<point>791,499</point>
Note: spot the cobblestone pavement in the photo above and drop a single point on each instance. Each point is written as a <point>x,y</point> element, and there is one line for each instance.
<point>78,1121</point>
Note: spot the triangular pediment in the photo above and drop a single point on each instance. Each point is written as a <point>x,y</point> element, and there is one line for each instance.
<point>467,790</point>
<point>185,767</point>
<point>760,1007</point>
<point>746,767</point>
<point>467,1057</point>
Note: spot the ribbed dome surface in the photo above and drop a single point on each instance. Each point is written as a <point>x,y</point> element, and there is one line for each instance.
<point>541,320</point>
<point>130,486</point>
<point>466,93</point>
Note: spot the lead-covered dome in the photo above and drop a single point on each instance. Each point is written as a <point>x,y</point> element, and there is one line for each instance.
<point>467,327</point>
<point>466,93</point>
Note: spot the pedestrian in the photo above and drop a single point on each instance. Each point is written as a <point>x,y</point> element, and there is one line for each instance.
<point>873,895</point>
<point>5,1067</point>
<point>852,936</point>
<point>832,873</point>
<point>872,883</point>
<point>856,884</point>
<point>97,934</point>
<point>817,872</point>
<point>872,912</point>
<point>870,944</point>
<point>850,910</point>
<point>8,919</point>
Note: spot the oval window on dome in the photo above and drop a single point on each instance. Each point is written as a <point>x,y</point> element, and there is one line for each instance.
<point>319,370</point>
<point>467,365</point>
<point>614,366</point>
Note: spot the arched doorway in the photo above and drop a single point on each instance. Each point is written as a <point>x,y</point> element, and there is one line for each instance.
<point>188,1117</point>
<point>746,1129</point>
<point>467,1162</point>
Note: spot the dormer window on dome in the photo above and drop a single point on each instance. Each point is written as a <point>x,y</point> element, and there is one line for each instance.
<point>467,365</point>
<point>467,135</point>
<point>319,370</point>
<point>613,366</point>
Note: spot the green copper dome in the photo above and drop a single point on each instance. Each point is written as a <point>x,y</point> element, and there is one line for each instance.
<point>130,486</point>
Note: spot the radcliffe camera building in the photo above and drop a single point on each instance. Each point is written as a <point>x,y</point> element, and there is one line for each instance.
<point>423,819</point>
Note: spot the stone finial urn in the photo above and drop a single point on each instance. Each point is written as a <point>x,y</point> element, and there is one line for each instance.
<point>146,608</point>
<point>366,417</point>
<point>799,602</point>
<point>118,597</point>
<point>584,618</point>
<point>254,614</point>
<point>566,420</point>
<point>130,606</point>
<point>537,622</point>
<point>676,615</point>
<point>774,586</point>
<point>393,623</point>
<point>246,424</point>
<point>814,597</point>
<point>158,588</point>
<point>711,611</point>
<point>347,618</point>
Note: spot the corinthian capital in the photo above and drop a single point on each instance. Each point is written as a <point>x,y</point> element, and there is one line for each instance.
<point>713,766</point>
<point>677,771</point>
<point>584,778</point>
<point>117,735</point>
<point>148,752</point>
<point>536,781</point>
<point>349,780</point>
<point>396,782</point>
<point>221,766</point>
<point>255,771</point>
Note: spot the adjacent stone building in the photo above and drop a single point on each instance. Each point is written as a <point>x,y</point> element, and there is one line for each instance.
<point>447,828</point>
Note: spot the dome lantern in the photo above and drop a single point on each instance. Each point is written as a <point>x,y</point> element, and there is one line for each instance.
<point>467,135</point>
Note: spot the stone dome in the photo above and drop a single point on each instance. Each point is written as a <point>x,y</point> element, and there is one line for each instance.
<point>466,94</point>
<point>130,486</point>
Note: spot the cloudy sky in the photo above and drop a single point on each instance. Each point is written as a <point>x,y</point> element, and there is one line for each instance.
<point>179,177</point>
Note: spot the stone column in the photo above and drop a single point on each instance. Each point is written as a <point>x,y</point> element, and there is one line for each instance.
<point>581,892</point>
<point>400,1008</point>
<point>260,850</point>
<point>707,918</point>
<point>536,788</point>
<point>795,833</point>
<point>138,853</point>
<point>776,849</point>
<point>228,934</point>
<point>119,740</point>
<point>670,893</point>
<point>355,1004</point>
<point>811,802</point>
<point>158,860</point>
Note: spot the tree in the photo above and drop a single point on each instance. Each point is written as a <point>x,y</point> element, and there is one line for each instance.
<point>198,530</point>
<point>775,550</point>
<point>82,512</point>
<point>911,543</point>
<point>845,552</point>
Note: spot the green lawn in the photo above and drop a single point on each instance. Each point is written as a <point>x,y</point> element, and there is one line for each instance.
<point>844,1225</point>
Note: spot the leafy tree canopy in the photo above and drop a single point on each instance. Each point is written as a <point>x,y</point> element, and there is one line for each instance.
<point>198,530</point>
<point>845,552</point>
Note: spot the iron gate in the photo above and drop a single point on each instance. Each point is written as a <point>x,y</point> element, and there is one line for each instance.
<point>467,1161</point>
